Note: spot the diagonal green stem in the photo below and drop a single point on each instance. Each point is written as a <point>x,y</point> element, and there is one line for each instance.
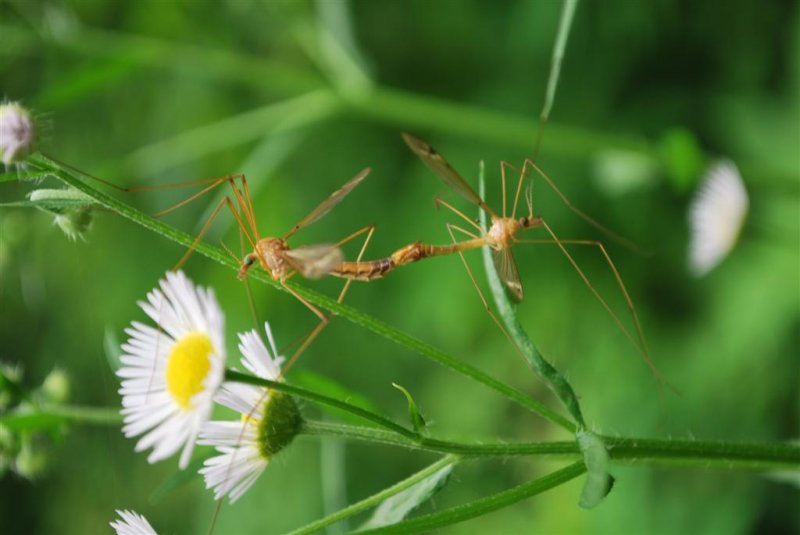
<point>482,506</point>
<point>376,498</point>
<point>72,178</point>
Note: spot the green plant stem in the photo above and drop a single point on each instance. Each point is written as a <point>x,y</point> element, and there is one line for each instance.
<point>482,449</point>
<point>704,453</point>
<point>710,454</point>
<point>376,498</point>
<point>482,506</point>
<point>72,178</point>
<point>48,416</point>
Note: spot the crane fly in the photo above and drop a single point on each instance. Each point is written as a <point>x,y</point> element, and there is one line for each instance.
<point>504,229</point>
<point>502,234</point>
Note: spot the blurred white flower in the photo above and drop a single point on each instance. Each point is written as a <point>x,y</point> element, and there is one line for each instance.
<point>16,132</point>
<point>716,216</point>
<point>131,523</point>
<point>172,373</point>
<point>269,422</point>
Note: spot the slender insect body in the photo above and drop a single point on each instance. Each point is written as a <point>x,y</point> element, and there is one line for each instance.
<point>270,252</point>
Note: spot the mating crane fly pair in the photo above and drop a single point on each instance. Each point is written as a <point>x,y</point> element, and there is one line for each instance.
<point>281,261</point>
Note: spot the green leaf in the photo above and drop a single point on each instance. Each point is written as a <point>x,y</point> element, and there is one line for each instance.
<point>598,481</point>
<point>413,412</point>
<point>399,506</point>
<point>557,383</point>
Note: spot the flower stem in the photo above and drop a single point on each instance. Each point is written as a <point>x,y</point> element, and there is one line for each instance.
<point>482,449</point>
<point>49,416</point>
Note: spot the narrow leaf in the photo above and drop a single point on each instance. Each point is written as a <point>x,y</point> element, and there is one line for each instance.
<point>554,380</point>
<point>396,508</point>
<point>598,481</point>
<point>413,412</point>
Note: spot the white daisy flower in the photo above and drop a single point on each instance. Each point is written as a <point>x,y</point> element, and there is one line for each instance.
<point>716,216</point>
<point>171,374</point>
<point>270,420</point>
<point>132,523</point>
<point>16,132</point>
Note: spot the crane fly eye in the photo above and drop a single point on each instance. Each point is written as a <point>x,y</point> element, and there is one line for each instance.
<point>248,260</point>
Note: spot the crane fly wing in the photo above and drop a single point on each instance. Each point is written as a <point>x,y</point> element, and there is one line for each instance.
<point>445,171</point>
<point>507,270</point>
<point>328,204</point>
<point>314,261</point>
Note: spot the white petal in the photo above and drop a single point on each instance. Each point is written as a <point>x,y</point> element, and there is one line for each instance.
<point>716,216</point>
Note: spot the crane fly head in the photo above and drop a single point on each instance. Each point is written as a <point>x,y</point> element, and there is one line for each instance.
<point>247,262</point>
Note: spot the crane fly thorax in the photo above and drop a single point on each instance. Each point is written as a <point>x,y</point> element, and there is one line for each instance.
<point>270,256</point>
<point>502,232</point>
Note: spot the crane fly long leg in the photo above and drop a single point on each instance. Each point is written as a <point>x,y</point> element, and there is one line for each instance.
<point>369,229</point>
<point>225,201</point>
<point>328,204</point>
<point>608,232</point>
<point>503,167</point>
<point>617,276</point>
<point>442,202</point>
<point>450,229</point>
<point>642,349</point>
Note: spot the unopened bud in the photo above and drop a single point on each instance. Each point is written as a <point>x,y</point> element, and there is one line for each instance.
<point>17,133</point>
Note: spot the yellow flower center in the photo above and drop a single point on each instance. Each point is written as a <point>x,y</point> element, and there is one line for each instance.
<point>187,366</point>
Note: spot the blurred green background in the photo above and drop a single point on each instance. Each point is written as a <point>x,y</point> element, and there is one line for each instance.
<point>150,92</point>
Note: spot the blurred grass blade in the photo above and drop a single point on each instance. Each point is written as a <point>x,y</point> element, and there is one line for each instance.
<point>333,46</point>
<point>112,349</point>
<point>178,479</point>
<point>598,481</point>
<point>413,412</point>
<point>554,380</point>
<point>399,506</point>
<point>254,124</point>
<point>567,12</point>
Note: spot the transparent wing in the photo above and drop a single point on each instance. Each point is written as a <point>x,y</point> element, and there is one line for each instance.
<point>507,270</point>
<point>328,204</point>
<point>314,261</point>
<point>445,171</point>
